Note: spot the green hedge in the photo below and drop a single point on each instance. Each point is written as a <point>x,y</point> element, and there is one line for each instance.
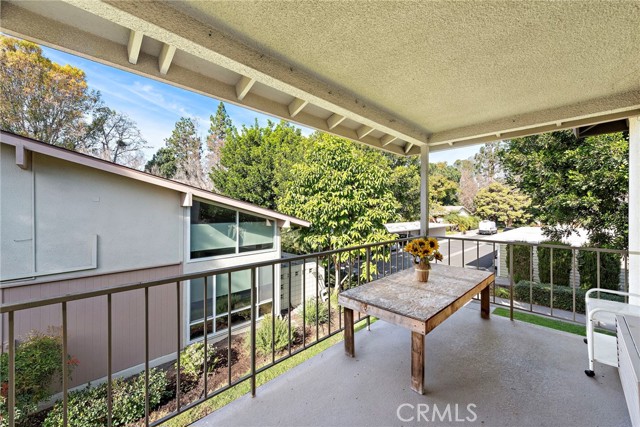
<point>562,295</point>
<point>561,264</point>
<point>88,407</point>
<point>609,270</point>
<point>521,262</point>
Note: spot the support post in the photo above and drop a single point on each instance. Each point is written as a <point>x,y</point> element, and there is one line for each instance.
<point>417,362</point>
<point>349,345</point>
<point>634,208</point>
<point>424,190</point>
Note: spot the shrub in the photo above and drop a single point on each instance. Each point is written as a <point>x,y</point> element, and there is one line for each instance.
<point>264,335</point>
<point>609,270</point>
<point>38,364</point>
<point>562,295</point>
<point>462,223</point>
<point>561,264</point>
<point>88,407</point>
<point>192,359</point>
<point>521,262</point>
<point>310,315</point>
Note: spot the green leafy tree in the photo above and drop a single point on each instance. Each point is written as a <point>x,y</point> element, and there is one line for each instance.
<point>343,190</point>
<point>574,183</point>
<point>256,160</point>
<point>442,191</point>
<point>449,172</point>
<point>41,99</point>
<point>503,204</point>
<point>163,163</point>
<point>220,127</point>
<point>404,181</point>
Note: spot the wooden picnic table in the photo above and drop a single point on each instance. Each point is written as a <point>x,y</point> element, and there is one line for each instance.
<point>401,300</point>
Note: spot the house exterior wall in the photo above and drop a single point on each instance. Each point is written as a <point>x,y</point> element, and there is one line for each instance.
<point>87,319</point>
<point>71,228</point>
<point>52,212</point>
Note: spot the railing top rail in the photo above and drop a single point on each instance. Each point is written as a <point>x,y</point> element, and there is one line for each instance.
<point>24,305</point>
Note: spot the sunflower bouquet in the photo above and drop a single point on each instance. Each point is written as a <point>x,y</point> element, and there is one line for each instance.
<point>424,249</point>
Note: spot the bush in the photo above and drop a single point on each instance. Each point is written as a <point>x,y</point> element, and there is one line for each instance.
<point>38,365</point>
<point>264,335</point>
<point>462,223</point>
<point>521,262</point>
<point>192,359</point>
<point>561,264</point>
<point>562,295</point>
<point>310,315</point>
<point>88,407</point>
<point>609,270</point>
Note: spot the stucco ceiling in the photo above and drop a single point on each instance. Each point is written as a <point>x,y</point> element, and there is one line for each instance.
<point>442,73</point>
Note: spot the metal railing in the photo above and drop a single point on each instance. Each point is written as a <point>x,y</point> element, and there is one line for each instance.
<point>342,269</point>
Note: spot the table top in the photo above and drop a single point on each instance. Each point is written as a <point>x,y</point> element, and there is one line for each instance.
<point>400,296</point>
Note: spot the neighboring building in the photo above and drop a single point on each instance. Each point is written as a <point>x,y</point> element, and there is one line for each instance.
<point>446,210</point>
<point>531,235</point>
<point>408,229</point>
<point>73,223</point>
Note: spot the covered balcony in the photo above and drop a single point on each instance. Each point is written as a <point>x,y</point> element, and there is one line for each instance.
<point>406,78</point>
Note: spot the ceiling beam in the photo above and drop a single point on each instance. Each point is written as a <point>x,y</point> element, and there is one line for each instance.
<point>165,58</point>
<point>335,120</point>
<point>133,47</point>
<point>407,147</point>
<point>364,131</point>
<point>162,22</point>
<point>47,32</point>
<point>243,87</point>
<point>296,106</point>
<point>387,139</point>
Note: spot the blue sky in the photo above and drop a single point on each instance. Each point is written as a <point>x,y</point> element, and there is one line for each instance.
<point>156,107</point>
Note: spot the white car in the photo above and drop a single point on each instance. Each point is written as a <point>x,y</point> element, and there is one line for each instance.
<point>487,227</point>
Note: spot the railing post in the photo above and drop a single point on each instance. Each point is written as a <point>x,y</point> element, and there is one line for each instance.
<point>368,267</point>
<point>253,331</point>
<point>178,344</point>
<point>511,284</point>
<point>574,268</point>
<point>205,368</point>
<point>65,369</point>
<point>11,398</point>
<point>110,362</point>
<point>146,357</point>
<point>551,279</point>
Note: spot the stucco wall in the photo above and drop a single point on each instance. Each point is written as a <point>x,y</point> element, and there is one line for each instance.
<point>51,213</point>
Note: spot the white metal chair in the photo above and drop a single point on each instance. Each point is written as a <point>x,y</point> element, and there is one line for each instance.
<point>602,313</point>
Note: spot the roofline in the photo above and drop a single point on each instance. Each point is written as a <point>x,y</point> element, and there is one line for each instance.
<point>35,146</point>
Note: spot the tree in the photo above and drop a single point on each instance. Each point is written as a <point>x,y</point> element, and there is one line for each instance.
<point>255,161</point>
<point>404,181</point>
<point>115,137</point>
<point>442,191</point>
<point>449,172</point>
<point>343,190</point>
<point>163,163</point>
<point>185,144</point>
<point>487,162</point>
<point>468,184</point>
<point>220,128</point>
<point>41,99</point>
<point>574,183</point>
<point>502,203</point>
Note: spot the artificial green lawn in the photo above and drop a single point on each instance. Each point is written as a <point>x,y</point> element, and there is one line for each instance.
<point>243,388</point>
<point>559,325</point>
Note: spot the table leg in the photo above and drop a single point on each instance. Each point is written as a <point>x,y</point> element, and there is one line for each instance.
<point>349,346</point>
<point>417,362</point>
<point>485,306</point>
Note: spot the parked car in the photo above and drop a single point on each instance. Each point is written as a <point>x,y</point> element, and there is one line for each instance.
<point>487,227</point>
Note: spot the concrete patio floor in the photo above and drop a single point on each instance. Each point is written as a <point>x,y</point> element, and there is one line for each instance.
<point>512,373</point>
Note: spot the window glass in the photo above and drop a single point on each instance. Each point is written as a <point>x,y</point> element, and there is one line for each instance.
<point>265,281</point>
<point>213,230</point>
<point>240,290</point>
<point>255,233</point>
<point>196,290</point>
